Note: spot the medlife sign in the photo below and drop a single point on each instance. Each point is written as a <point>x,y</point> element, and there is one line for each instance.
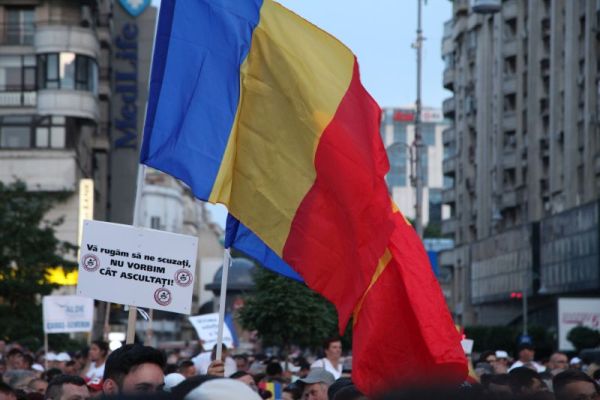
<point>137,266</point>
<point>64,314</point>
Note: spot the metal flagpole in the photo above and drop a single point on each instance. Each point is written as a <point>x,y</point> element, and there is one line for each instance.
<point>222,301</point>
<point>418,45</point>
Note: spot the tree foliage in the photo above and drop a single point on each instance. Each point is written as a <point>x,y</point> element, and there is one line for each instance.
<point>28,246</point>
<point>285,312</point>
<point>583,337</point>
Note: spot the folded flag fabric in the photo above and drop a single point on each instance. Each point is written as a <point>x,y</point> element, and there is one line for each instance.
<point>403,315</point>
<point>256,108</point>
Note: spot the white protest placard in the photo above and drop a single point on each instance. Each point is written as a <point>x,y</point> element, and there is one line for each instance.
<point>207,326</point>
<point>573,312</point>
<point>137,266</point>
<point>68,314</point>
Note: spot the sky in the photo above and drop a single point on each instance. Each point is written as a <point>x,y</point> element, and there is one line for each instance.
<point>380,33</point>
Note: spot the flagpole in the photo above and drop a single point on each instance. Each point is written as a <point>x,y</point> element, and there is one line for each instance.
<point>132,317</point>
<point>222,301</point>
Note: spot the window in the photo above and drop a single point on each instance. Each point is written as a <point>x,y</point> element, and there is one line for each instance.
<point>155,222</point>
<point>399,132</point>
<point>67,71</point>
<point>17,80</point>
<point>25,131</point>
<point>428,134</point>
<point>397,155</point>
<point>19,26</point>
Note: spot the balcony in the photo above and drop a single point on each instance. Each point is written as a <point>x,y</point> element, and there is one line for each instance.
<point>449,226</point>
<point>19,98</point>
<point>449,108</point>
<point>449,79</point>
<point>59,168</point>
<point>71,103</point>
<point>509,84</point>
<point>448,136</point>
<point>510,9</point>
<point>449,166</point>
<point>448,196</point>
<point>461,7</point>
<point>52,38</point>
<point>509,159</point>
<point>509,121</point>
<point>509,47</point>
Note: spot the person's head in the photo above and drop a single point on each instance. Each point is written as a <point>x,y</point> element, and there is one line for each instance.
<point>558,362</point>
<point>333,348</point>
<point>575,385</point>
<point>241,362</point>
<point>274,370</point>
<point>496,384</point>
<point>186,368</point>
<point>71,368</point>
<point>14,359</point>
<point>51,373</point>
<point>37,386</point>
<point>488,357</point>
<point>133,369</point>
<point>67,387</point>
<point>316,384</point>
<point>246,378</point>
<point>304,368</point>
<point>576,363</point>
<point>224,352</point>
<point>525,352</point>
<point>27,361</point>
<point>98,351</point>
<point>525,381</point>
<point>7,392</point>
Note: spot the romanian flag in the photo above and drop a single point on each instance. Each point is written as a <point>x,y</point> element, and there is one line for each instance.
<point>273,387</point>
<point>256,108</point>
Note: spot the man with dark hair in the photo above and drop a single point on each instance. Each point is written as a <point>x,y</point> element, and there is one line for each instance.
<point>67,387</point>
<point>526,355</point>
<point>187,368</point>
<point>575,385</point>
<point>246,378</point>
<point>558,363</point>
<point>332,362</point>
<point>97,355</point>
<point>134,369</point>
<point>525,381</point>
<point>241,362</point>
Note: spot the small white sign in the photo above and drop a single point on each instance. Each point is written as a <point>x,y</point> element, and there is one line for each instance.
<point>68,314</point>
<point>137,266</point>
<point>573,313</point>
<point>467,345</point>
<point>207,327</point>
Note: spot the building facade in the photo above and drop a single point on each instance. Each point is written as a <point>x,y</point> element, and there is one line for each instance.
<point>522,162</point>
<point>398,132</point>
<point>54,96</point>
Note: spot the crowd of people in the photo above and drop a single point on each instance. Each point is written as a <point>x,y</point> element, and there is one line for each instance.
<point>146,372</point>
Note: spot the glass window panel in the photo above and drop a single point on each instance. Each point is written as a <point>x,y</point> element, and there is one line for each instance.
<point>94,77</point>
<point>57,137</point>
<point>56,120</point>
<point>41,137</point>
<point>52,66</point>
<point>14,137</point>
<point>29,79</point>
<point>29,61</point>
<point>67,70</point>
<point>13,78</point>
<point>82,69</point>
<point>17,120</point>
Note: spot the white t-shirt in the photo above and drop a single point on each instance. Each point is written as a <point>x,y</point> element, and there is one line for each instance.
<point>202,361</point>
<point>328,366</point>
<point>95,371</point>
<point>517,364</point>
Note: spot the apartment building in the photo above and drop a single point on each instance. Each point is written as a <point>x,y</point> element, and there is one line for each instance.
<point>398,133</point>
<point>522,163</point>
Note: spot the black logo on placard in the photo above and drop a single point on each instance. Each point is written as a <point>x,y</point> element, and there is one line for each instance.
<point>183,277</point>
<point>163,296</point>
<point>90,262</point>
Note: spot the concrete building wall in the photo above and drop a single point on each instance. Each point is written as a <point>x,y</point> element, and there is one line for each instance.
<point>522,145</point>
